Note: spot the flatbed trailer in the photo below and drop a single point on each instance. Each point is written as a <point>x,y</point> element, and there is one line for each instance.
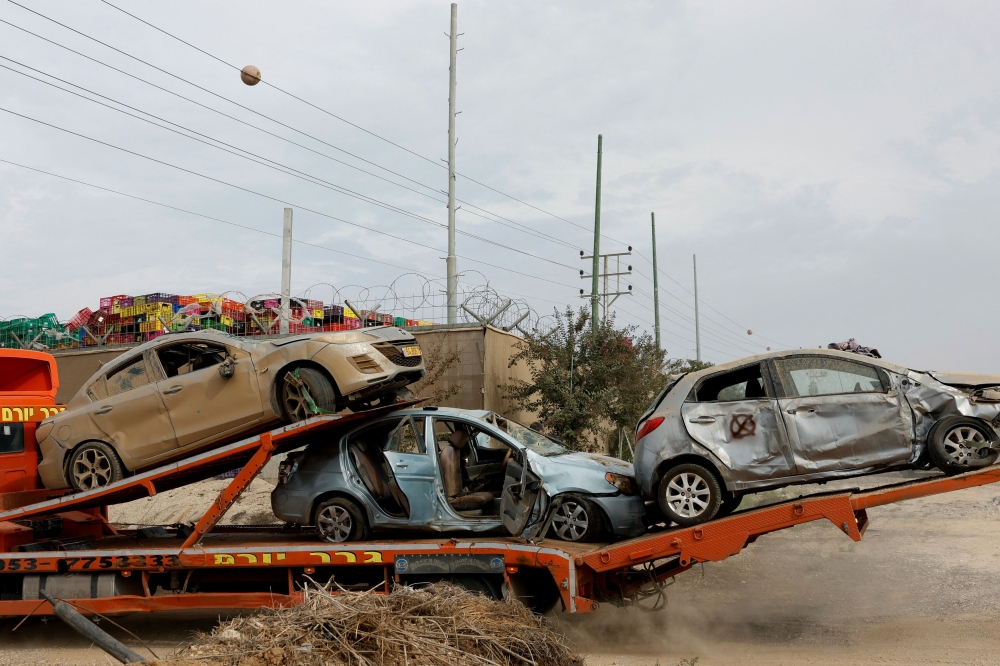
<point>66,546</point>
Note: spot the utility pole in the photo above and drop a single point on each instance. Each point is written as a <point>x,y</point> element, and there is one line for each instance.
<point>594,307</point>
<point>656,288</point>
<point>286,273</point>
<point>609,297</point>
<point>452,265</point>
<point>697,325</point>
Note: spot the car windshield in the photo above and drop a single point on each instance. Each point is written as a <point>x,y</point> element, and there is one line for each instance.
<point>534,440</point>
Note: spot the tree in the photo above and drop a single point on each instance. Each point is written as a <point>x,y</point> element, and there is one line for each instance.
<point>584,385</point>
<point>437,362</point>
<point>677,366</point>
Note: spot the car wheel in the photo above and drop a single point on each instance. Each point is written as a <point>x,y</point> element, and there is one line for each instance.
<point>689,494</point>
<point>959,444</point>
<point>94,465</point>
<point>307,392</point>
<point>340,519</point>
<point>576,519</point>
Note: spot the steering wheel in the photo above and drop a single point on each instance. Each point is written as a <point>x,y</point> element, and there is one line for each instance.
<point>503,465</point>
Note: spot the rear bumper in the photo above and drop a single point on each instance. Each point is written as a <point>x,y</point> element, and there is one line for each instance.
<point>52,468</point>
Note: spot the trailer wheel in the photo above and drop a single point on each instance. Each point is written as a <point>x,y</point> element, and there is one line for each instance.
<point>94,465</point>
<point>307,392</point>
<point>689,494</point>
<point>340,519</point>
<point>959,444</point>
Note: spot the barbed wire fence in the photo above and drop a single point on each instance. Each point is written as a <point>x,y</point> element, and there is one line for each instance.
<point>411,301</point>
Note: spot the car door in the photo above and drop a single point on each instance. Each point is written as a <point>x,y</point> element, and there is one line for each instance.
<point>734,414</point>
<point>840,413</point>
<point>521,492</point>
<point>131,412</point>
<point>413,469</point>
<point>201,402</point>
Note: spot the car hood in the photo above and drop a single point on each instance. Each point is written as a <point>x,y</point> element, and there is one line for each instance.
<point>962,379</point>
<point>577,472</point>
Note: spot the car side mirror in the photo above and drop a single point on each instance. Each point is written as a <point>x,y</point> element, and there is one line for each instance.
<point>227,368</point>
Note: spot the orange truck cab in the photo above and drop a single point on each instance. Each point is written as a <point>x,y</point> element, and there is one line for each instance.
<point>29,381</point>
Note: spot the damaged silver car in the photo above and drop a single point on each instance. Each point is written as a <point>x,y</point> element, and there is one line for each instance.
<point>455,470</point>
<point>806,416</point>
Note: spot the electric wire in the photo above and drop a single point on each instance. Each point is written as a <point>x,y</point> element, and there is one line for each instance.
<point>273,198</point>
<point>273,164</point>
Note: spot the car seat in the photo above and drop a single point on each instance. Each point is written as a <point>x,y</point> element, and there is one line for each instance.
<point>451,476</point>
<point>376,479</point>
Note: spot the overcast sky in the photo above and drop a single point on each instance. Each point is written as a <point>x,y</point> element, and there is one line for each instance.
<point>833,165</point>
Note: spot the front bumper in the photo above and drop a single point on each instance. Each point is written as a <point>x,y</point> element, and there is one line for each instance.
<point>625,514</point>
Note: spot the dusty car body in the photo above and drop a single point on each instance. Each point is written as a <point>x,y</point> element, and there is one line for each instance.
<point>188,391</point>
<point>529,476</point>
<point>804,416</point>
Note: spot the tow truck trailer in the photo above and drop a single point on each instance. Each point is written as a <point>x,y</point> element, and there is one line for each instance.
<point>63,543</point>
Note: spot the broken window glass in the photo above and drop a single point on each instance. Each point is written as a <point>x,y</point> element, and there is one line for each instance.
<point>742,384</point>
<point>127,378</point>
<point>190,357</point>
<point>408,437</point>
<point>808,376</point>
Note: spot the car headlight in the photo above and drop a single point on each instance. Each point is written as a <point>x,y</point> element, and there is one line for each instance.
<point>626,484</point>
<point>286,469</point>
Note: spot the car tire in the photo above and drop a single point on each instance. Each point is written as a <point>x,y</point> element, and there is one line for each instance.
<point>339,519</point>
<point>959,444</point>
<point>577,520</point>
<point>729,504</point>
<point>94,465</point>
<point>689,494</point>
<point>294,401</point>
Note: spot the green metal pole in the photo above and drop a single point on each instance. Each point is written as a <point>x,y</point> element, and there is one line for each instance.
<point>656,285</point>
<point>594,313</point>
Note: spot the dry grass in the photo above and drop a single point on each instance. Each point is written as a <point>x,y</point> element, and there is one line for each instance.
<point>439,625</point>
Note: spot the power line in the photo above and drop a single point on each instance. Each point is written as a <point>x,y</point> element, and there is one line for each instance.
<point>523,227</point>
<point>273,164</point>
<point>272,198</point>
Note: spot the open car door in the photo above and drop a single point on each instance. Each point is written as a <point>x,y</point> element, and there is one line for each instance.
<point>521,490</point>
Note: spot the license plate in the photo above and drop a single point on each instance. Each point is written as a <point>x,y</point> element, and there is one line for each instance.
<point>411,351</point>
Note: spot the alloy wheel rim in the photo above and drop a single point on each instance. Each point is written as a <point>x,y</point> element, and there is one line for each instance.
<point>570,521</point>
<point>92,469</point>
<point>295,403</point>
<point>963,443</point>
<point>688,495</point>
<point>335,523</point>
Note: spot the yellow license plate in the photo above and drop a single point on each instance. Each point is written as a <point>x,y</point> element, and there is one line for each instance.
<point>411,351</point>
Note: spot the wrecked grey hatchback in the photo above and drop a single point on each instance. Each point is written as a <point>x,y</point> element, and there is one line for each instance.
<point>456,470</point>
<point>804,416</point>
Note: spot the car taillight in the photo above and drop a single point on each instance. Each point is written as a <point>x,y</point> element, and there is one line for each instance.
<point>286,468</point>
<point>648,426</point>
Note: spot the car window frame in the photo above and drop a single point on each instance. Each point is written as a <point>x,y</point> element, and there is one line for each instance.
<point>154,354</point>
<point>769,385</point>
<point>478,424</point>
<point>150,371</point>
<point>883,377</point>
<point>421,438</point>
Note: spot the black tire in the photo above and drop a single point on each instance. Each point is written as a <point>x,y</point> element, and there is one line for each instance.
<point>578,520</point>
<point>339,519</point>
<point>729,504</point>
<point>959,444</point>
<point>294,401</point>
<point>94,465</point>
<point>689,494</point>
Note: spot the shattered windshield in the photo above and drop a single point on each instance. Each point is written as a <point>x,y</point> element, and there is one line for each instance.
<point>534,440</point>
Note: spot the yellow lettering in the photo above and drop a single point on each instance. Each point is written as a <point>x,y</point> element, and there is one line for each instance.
<point>224,559</point>
<point>373,556</point>
<point>281,556</point>
<point>251,559</point>
<point>20,413</point>
<point>267,558</point>
<point>6,414</point>
<point>45,412</point>
<point>29,412</point>
<point>323,557</point>
<point>350,557</point>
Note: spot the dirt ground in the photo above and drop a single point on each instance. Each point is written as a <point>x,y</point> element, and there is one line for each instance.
<point>920,588</point>
<point>187,504</point>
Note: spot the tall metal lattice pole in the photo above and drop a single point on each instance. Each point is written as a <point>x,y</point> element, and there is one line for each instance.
<point>594,289</point>
<point>286,273</point>
<point>697,323</point>
<point>452,266</point>
<point>656,287</point>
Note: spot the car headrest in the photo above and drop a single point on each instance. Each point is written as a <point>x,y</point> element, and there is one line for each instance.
<point>459,439</point>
